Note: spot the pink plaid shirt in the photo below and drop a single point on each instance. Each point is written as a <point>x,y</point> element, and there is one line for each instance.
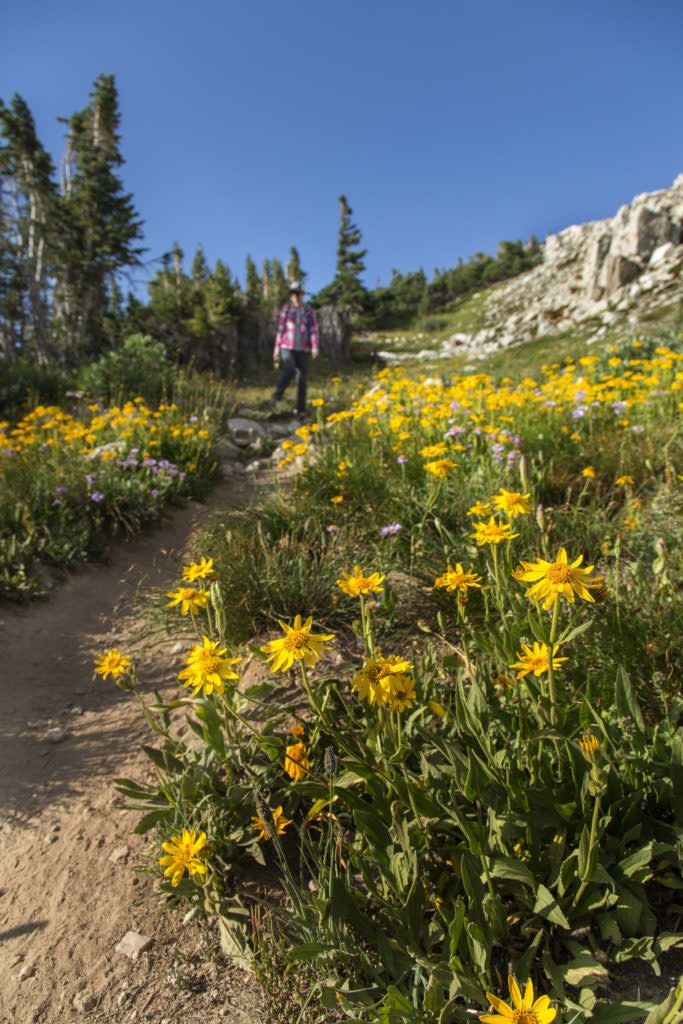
<point>286,328</point>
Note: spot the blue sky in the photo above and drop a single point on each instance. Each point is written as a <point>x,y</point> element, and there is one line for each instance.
<point>449,125</point>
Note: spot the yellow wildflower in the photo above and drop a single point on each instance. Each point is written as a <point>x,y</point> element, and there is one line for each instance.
<point>457,579</point>
<point>624,481</point>
<point>338,499</point>
<point>492,532</point>
<point>207,668</point>
<point>523,1010</point>
<point>113,664</point>
<point>401,692</point>
<point>535,659</point>
<point>558,579</point>
<point>371,682</point>
<point>355,583</point>
<point>589,473</point>
<point>512,503</point>
<point>189,599</point>
<point>298,644</point>
<point>441,468</point>
<point>296,761</point>
<point>480,508</point>
<point>279,821</point>
<point>182,856</point>
<point>432,451</point>
<point>589,746</point>
<point>201,570</point>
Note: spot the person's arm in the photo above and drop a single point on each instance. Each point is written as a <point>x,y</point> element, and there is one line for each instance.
<point>279,333</point>
<point>313,332</point>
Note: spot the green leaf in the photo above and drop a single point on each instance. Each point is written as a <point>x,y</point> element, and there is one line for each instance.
<point>547,907</point>
<point>307,951</point>
<point>625,699</point>
<point>584,970</point>
<point>639,859</point>
<point>148,821</point>
<point>512,870</point>
<point>619,1013</point>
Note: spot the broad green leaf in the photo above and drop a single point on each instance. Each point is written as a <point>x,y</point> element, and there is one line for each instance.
<point>626,702</point>
<point>547,907</point>
<point>619,1013</point>
<point>639,859</point>
<point>307,951</point>
<point>512,870</point>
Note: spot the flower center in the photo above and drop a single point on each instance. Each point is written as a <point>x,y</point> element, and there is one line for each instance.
<point>524,1017</point>
<point>295,640</point>
<point>209,663</point>
<point>539,662</point>
<point>559,573</point>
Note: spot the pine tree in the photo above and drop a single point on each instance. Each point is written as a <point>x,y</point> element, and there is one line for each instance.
<point>295,271</point>
<point>252,285</point>
<point>27,222</point>
<point>266,281</point>
<point>200,268</point>
<point>347,288</point>
<point>279,289</point>
<point>101,226</point>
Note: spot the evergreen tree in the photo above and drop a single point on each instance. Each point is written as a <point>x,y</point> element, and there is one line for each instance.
<point>347,289</point>
<point>279,288</point>
<point>266,281</point>
<point>28,198</point>
<point>252,284</point>
<point>101,226</point>
<point>200,268</point>
<point>295,271</point>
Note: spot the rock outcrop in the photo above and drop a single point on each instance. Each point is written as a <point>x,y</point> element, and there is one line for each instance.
<point>595,278</point>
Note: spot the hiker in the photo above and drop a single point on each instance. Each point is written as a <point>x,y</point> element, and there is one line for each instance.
<point>296,337</point>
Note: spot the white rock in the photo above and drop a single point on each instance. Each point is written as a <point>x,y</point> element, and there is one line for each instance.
<point>27,971</point>
<point>55,735</point>
<point>133,944</point>
<point>119,855</point>
<point>661,254</point>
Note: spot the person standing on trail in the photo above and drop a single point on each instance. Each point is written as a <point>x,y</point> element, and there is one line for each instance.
<point>295,339</point>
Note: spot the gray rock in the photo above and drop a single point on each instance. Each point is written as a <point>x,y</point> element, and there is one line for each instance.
<point>243,431</point>
<point>55,735</point>
<point>226,449</point>
<point>133,944</point>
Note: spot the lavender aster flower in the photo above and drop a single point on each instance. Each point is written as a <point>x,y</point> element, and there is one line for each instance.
<point>390,530</point>
<point>97,497</point>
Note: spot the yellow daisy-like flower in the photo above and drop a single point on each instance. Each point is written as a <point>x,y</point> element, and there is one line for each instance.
<point>372,683</point>
<point>524,1009</point>
<point>182,856</point>
<point>512,503</point>
<point>401,692</point>
<point>201,570</point>
<point>296,761</point>
<point>560,578</point>
<point>589,473</point>
<point>432,451</point>
<point>279,821</point>
<point>492,532</point>
<point>441,468</point>
<point>355,583</point>
<point>624,481</point>
<point>297,731</point>
<point>113,664</point>
<point>535,659</point>
<point>480,508</point>
<point>207,668</point>
<point>317,402</point>
<point>298,644</point>
<point>457,579</point>
<point>189,599</point>
<point>338,499</point>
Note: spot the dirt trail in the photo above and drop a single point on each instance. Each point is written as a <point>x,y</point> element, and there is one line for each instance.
<point>64,903</point>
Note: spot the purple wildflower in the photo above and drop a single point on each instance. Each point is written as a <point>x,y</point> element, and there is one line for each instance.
<point>61,489</point>
<point>402,459</point>
<point>390,530</point>
<point>97,497</point>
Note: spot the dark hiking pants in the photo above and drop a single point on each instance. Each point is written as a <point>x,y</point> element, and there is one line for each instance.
<point>294,361</point>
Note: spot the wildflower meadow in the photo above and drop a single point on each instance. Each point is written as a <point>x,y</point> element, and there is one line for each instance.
<point>433,767</point>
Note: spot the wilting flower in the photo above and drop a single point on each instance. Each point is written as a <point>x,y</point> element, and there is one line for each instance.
<point>207,668</point>
<point>113,664</point>
<point>201,570</point>
<point>296,761</point>
<point>441,468</point>
<point>512,503</point>
<point>457,579</point>
<point>355,583</point>
<point>372,683</point>
<point>189,599</point>
<point>558,579</point>
<point>182,856</point>
<point>535,659</point>
<point>589,746</point>
<point>492,532</point>
<point>269,823</point>
<point>331,763</point>
<point>523,1010</point>
<point>297,731</point>
<point>298,644</point>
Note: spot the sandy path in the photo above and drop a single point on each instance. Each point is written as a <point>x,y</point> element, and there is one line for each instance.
<point>64,904</point>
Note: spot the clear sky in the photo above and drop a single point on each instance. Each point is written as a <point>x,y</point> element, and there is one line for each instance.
<point>449,124</point>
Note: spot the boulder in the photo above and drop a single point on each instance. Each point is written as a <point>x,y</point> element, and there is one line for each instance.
<point>243,432</point>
